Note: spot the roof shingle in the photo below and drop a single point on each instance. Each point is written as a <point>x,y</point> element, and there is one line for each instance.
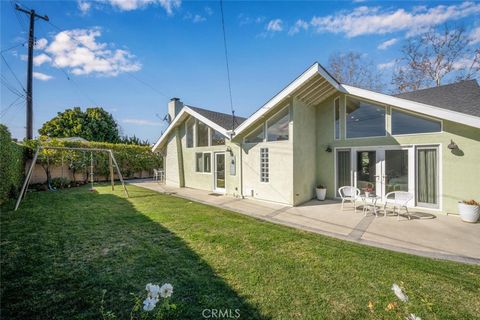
<point>224,120</point>
<point>462,97</point>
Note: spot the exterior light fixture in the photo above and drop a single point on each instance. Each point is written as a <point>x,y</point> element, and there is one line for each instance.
<point>452,145</point>
<point>328,149</point>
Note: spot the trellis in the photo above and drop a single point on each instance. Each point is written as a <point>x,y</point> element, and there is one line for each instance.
<point>112,162</point>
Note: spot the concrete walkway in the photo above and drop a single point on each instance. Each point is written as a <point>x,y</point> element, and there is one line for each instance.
<point>434,236</point>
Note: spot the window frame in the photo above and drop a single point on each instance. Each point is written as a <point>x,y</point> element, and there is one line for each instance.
<point>339,119</point>
<point>247,135</point>
<point>209,138</point>
<point>424,205</point>
<point>265,137</point>
<point>203,153</point>
<point>372,103</point>
<point>193,132</point>
<point>415,115</point>
<point>264,175</point>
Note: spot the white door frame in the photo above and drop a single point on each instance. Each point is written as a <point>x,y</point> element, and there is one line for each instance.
<point>215,188</point>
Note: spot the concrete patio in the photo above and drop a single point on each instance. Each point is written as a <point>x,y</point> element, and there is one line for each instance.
<point>435,236</point>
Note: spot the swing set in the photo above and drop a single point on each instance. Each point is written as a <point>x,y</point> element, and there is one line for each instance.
<point>112,162</point>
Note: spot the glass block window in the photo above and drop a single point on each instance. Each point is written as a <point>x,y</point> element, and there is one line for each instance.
<point>264,169</point>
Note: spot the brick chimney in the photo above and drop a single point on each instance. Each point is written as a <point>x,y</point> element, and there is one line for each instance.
<point>174,107</point>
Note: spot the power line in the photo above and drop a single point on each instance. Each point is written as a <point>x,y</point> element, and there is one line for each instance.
<point>228,66</point>
<point>5,111</point>
<point>10,87</point>
<point>13,73</point>
<point>13,47</point>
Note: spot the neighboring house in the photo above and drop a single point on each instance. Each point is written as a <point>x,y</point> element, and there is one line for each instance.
<point>319,131</point>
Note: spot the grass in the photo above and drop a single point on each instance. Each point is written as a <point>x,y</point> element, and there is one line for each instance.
<point>61,249</point>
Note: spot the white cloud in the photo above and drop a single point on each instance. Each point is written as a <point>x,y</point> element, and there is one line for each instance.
<point>244,19</point>
<point>298,26</point>
<point>79,51</point>
<point>372,20</point>
<point>208,11</point>
<point>384,45</point>
<point>386,65</point>
<point>42,76</point>
<point>195,18</point>
<point>41,44</point>
<point>84,6</point>
<point>358,1</point>
<point>475,36</point>
<point>129,5</point>
<point>141,122</point>
<point>41,59</point>
<point>275,25</point>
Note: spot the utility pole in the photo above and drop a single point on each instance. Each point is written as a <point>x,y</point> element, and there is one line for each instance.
<point>31,43</point>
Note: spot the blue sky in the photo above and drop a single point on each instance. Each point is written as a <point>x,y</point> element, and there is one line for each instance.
<point>131,56</point>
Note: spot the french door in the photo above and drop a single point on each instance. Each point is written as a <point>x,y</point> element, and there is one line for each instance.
<point>376,170</point>
<point>219,172</point>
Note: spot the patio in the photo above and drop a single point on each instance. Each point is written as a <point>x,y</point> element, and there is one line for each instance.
<point>435,236</point>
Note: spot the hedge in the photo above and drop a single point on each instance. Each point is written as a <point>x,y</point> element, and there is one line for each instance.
<point>130,158</point>
<point>12,163</point>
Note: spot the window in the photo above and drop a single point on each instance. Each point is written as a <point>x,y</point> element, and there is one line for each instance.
<point>337,118</point>
<point>207,162</point>
<point>406,123</point>
<point>364,119</point>
<point>277,127</point>
<point>218,139</point>
<point>199,162</point>
<point>203,162</point>
<point>427,177</point>
<point>202,134</point>
<point>264,173</point>
<point>256,136</point>
<point>189,130</point>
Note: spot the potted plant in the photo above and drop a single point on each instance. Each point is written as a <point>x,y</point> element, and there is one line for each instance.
<point>321,191</point>
<point>469,210</point>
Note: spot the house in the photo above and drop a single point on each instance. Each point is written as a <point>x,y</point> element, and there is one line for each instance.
<point>319,131</point>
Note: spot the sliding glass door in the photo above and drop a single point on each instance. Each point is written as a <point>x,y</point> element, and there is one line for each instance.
<point>427,177</point>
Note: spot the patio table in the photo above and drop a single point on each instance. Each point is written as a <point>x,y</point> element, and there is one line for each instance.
<point>369,203</point>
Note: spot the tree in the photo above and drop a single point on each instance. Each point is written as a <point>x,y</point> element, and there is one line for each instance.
<point>355,69</point>
<point>95,124</point>
<point>435,58</point>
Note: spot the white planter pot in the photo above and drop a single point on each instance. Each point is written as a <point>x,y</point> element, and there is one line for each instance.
<point>468,213</point>
<point>321,193</point>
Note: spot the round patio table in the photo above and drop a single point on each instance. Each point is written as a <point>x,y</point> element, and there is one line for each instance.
<point>369,203</point>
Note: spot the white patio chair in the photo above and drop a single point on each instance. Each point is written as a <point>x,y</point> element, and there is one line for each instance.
<point>350,194</point>
<point>398,200</point>
<point>156,174</point>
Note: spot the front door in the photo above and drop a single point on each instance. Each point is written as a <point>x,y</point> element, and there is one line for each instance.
<point>219,176</point>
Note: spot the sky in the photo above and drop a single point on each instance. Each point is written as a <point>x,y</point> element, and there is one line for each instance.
<point>131,56</point>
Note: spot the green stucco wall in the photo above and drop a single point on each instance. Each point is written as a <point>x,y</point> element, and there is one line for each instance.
<point>460,169</point>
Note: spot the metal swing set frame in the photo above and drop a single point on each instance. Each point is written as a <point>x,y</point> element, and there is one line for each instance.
<point>112,162</point>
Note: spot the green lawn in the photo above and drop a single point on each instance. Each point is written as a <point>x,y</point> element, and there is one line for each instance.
<point>61,249</point>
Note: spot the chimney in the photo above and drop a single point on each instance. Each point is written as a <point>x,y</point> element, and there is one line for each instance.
<point>174,107</point>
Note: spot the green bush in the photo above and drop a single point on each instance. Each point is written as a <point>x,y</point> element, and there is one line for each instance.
<point>60,183</point>
<point>12,163</point>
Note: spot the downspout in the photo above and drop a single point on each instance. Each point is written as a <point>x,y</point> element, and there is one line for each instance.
<point>241,170</point>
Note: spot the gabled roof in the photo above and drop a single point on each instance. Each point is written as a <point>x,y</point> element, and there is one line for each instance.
<point>224,120</point>
<point>220,122</point>
<point>462,97</point>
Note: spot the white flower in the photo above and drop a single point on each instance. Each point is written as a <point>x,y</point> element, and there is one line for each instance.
<point>149,303</point>
<point>153,290</point>
<point>166,290</point>
<point>413,317</point>
<point>399,293</point>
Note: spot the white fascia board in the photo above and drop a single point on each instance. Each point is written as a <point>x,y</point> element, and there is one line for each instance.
<point>442,113</point>
<point>180,117</point>
<point>312,71</point>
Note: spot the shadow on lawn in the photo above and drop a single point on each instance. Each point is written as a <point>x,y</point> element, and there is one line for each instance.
<point>60,250</point>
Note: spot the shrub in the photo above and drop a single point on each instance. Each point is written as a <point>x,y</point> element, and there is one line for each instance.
<point>12,163</point>
<point>60,183</point>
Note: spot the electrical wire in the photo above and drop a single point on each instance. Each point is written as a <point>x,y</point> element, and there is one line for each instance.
<point>13,73</point>
<point>226,58</point>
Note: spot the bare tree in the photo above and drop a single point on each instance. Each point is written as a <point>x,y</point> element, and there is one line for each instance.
<point>355,69</point>
<point>435,58</point>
